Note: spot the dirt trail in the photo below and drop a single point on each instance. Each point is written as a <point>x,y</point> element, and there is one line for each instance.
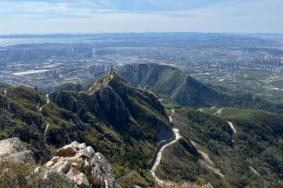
<point>47,99</point>
<point>46,129</point>
<point>254,171</point>
<point>159,157</point>
<point>219,111</point>
<point>160,153</point>
<point>206,161</point>
<point>232,127</point>
<point>170,119</point>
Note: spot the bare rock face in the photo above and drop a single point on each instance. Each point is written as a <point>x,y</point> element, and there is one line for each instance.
<point>81,165</point>
<point>15,149</point>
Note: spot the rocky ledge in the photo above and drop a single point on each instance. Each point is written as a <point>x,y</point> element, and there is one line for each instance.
<point>83,166</point>
<point>73,166</point>
<point>14,149</point>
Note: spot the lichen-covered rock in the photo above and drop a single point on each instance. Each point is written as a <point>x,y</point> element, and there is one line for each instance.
<point>15,149</point>
<point>81,165</point>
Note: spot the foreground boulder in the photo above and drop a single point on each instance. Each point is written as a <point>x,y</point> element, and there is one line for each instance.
<point>14,149</point>
<point>81,165</point>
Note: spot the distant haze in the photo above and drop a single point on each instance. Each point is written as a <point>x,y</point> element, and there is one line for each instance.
<point>100,16</point>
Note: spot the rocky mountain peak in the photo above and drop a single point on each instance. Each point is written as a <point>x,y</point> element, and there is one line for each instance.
<point>108,80</point>
<point>82,165</point>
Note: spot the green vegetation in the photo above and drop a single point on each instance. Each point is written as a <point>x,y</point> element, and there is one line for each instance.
<point>127,124</point>
<point>123,123</point>
<point>18,175</point>
<point>260,83</point>
<point>142,179</point>
<point>256,145</point>
<point>187,91</point>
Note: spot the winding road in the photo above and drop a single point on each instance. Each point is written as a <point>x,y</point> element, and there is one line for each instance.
<point>206,162</point>
<point>46,129</point>
<point>160,153</point>
<point>47,99</point>
<point>254,171</point>
<point>232,127</point>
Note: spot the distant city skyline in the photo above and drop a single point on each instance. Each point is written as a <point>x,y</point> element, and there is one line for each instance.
<point>108,16</point>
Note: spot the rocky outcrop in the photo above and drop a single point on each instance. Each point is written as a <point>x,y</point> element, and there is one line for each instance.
<point>14,149</point>
<point>83,166</point>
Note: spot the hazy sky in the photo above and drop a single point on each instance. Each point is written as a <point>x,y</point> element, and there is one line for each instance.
<point>96,16</point>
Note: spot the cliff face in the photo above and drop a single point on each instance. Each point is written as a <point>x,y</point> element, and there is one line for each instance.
<point>132,110</point>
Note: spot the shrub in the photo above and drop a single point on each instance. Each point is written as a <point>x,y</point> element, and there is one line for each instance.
<point>19,175</point>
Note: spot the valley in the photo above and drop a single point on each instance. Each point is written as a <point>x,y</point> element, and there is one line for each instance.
<point>197,110</point>
<point>141,94</point>
<point>151,142</point>
<point>250,62</point>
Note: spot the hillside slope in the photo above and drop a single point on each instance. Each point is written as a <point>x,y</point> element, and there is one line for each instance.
<point>227,148</point>
<point>247,155</point>
<point>188,91</point>
<point>124,123</point>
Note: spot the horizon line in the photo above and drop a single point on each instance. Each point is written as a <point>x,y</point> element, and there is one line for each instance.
<point>150,32</point>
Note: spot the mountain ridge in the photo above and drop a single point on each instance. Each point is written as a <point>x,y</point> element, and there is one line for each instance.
<point>187,91</point>
<point>124,123</point>
<point>130,125</point>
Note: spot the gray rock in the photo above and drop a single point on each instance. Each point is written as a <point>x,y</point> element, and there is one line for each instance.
<point>64,168</point>
<point>78,177</point>
<point>15,149</point>
<point>84,153</point>
<point>94,161</point>
<point>90,150</point>
<point>24,156</point>
<point>80,164</point>
<point>75,144</point>
<point>82,146</point>
<point>51,177</point>
<point>106,172</point>
<point>11,145</point>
